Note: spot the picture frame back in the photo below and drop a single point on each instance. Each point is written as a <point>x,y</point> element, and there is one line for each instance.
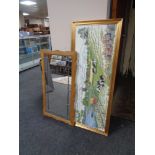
<point>97,45</point>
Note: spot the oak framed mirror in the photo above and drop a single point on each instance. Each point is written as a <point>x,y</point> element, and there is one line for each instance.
<point>97,45</point>
<point>58,84</point>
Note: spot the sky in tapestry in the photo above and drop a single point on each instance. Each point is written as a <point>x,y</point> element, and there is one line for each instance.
<point>95,48</point>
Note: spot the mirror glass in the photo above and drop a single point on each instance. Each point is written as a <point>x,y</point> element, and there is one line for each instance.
<point>58,85</point>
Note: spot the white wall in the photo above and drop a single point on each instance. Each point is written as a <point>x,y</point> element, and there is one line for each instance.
<point>63,12</point>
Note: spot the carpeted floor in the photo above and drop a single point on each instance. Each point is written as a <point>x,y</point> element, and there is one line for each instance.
<point>40,135</point>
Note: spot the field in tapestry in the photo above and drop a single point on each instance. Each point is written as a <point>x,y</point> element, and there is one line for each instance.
<point>95,48</point>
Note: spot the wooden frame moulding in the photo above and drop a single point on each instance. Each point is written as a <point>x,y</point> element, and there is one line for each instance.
<point>73,56</point>
<point>118,23</point>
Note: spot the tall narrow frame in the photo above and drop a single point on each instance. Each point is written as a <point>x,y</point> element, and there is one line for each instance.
<point>118,23</point>
<point>72,54</point>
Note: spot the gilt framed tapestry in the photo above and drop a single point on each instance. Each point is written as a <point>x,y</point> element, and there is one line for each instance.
<point>97,45</point>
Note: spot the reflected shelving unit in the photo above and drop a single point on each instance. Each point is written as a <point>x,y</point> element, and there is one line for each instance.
<point>29,50</point>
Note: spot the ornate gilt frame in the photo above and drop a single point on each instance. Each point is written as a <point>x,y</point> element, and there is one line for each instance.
<point>72,54</point>
<point>118,22</point>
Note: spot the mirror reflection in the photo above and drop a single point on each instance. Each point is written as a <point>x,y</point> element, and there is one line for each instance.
<point>58,85</point>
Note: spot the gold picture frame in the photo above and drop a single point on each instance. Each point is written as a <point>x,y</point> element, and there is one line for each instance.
<point>73,56</point>
<point>76,26</point>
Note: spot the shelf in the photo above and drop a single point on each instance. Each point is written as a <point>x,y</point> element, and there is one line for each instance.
<point>35,36</point>
<point>22,46</point>
<point>30,46</point>
<point>29,64</point>
<point>29,49</point>
<point>42,43</point>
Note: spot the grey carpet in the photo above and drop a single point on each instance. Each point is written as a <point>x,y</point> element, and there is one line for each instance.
<point>40,135</point>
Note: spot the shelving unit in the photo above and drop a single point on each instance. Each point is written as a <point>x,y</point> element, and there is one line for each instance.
<point>29,50</point>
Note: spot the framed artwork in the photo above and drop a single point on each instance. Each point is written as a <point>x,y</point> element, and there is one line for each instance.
<point>97,45</point>
<point>58,84</point>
